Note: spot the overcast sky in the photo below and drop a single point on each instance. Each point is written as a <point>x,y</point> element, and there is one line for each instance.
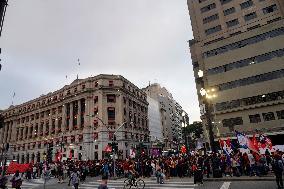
<point>143,40</point>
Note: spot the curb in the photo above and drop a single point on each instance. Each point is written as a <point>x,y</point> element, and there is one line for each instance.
<point>239,179</point>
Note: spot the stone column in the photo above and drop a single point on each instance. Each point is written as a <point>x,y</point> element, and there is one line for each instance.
<point>71,116</point>
<point>50,122</point>
<point>64,117</point>
<point>56,122</point>
<point>79,114</point>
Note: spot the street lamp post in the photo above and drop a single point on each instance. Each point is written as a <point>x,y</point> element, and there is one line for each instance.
<point>207,96</point>
<point>113,139</point>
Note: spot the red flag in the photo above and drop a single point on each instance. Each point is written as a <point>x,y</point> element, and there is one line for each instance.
<point>228,142</point>
<point>253,144</point>
<point>221,143</point>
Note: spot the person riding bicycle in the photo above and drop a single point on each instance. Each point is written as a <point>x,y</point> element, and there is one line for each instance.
<point>132,173</point>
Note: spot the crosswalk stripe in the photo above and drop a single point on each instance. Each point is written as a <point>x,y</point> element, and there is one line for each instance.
<point>172,185</point>
<point>147,181</point>
<point>153,187</point>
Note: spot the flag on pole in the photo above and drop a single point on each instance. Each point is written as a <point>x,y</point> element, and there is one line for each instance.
<point>255,143</point>
<point>264,142</point>
<point>245,142</point>
<point>242,139</point>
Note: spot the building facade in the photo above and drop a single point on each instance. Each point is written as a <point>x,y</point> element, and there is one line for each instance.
<point>154,116</point>
<point>237,55</point>
<point>78,121</point>
<point>171,115</point>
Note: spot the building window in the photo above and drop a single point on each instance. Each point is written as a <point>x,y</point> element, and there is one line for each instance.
<point>254,118</point>
<point>110,83</point>
<point>252,80</point>
<point>96,110</point>
<point>225,1</point>
<point>246,4</point>
<point>232,122</point>
<point>213,30</point>
<point>111,98</point>
<point>96,99</point>
<point>240,44</point>
<point>195,65</point>
<point>96,84</point>
<point>246,62</point>
<point>250,16</point>
<point>210,18</point>
<point>208,8</point>
<point>268,116</point>
<point>269,9</point>
<point>210,42</point>
<point>232,23</point>
<point>253,27</point>
<point>270,97</point>
<point>280,114</point>
<point>111,113</point>
<point>273,20</point>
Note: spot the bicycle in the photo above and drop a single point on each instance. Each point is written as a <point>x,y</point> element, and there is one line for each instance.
<point>139,183</point>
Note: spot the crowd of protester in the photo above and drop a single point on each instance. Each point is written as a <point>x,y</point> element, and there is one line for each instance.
<point>181,165</point>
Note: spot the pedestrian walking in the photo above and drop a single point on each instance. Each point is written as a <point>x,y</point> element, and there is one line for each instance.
<point>16,180</point>
<point>74,178</point>
<point>103,184</point>
<point>277,167</point>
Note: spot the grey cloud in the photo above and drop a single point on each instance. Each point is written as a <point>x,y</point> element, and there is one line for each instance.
<point>143,40</point>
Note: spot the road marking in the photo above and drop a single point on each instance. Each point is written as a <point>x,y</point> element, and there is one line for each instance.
<point>155,187</point>
<point>146,181</point>
<point>226,185</point>
<point>162,185</point>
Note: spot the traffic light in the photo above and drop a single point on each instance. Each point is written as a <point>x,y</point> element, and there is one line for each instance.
<point>114,146</point>
<point>49,152</point>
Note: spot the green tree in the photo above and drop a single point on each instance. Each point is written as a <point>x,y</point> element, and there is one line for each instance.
<point>195,128</point>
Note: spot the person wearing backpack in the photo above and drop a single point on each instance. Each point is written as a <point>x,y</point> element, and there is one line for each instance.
<point>277,167</point>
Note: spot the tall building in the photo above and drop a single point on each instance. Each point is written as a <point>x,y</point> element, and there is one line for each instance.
<point>172,116</point>
<point>155,122</point>
<point>237,55</point>
<point>78,121</point>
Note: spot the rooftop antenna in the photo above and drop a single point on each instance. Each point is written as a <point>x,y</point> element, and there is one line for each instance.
<point>14,94</point>
<point>78,66</point>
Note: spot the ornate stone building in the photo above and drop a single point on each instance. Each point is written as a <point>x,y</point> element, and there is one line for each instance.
<point>78,121</point>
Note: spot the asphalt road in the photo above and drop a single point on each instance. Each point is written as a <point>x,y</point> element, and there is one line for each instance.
<point>239,185</point>
<point>187,183</point>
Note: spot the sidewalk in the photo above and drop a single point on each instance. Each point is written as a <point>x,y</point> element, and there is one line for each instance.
<point>269,177</point>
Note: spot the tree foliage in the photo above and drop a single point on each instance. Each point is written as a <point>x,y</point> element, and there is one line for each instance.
<point>195,128</point>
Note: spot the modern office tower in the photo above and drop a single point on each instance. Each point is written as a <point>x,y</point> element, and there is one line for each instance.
<point>237,55</point>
